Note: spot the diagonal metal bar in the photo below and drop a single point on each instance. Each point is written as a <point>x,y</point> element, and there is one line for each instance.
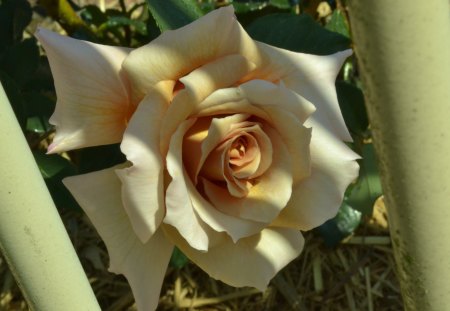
<point>32,236</point>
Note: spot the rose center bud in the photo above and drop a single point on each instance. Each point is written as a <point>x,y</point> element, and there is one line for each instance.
<point>244,153</point>
<point>238,149</point>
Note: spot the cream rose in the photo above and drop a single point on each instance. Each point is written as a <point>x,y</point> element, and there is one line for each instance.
<point>233,147</point>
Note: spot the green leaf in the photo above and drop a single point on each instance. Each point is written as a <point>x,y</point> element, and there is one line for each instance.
<point>341,226</point>
<point>153,30</point>
<point>351,101</point>
<point>53,169</point>
<point>15,15</point>
<point>242,7</point>
<point>173,14</point>
<point>114,22</point>
<point>15,97</point>
<point>42,80</point>
<point>52,165</point>
<point>38,104</point>
<point>368,187</point>
<point>337,23</point>
<point>93,15</point>
<point>281,4</point>
<point>178,259</point>
<point>347,219</point>
<point>37,124</point>
<point>299,33</point>
<point>39,109</point>
<point>21,60</point>
<point>100,157</point>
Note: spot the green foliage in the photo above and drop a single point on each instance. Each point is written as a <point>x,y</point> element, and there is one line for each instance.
<point>351,101</point>
<point>337,23</point>
<point>173,14</point>
<point>93,15</point>
<point>299,33</point>
<point>14,95</point>
<point>178,259</point>
<point>15,15</point>
<point>54,168</point>
<point>20,60</point>
<point>251,6</point>
<point>114,22</point>
<point>39,109</point>
<point>368,188</point>
<point>341,226</point>
<point>117,27</point>
<point>97,158</point>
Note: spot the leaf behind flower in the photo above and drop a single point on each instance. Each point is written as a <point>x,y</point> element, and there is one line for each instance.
<point>298,33</point>
<point>173,14</point>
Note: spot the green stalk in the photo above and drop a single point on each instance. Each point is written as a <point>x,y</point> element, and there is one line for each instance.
<point>32,236</point>
<point>403,51</point>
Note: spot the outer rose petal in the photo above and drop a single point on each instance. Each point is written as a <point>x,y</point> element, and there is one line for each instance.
<point>313,77</point>
<point>144,265</point>
<point>319,197</point>
<point>143,183</point>
<point>251,261</point>
<point>93,105</point>
<point>175,53</point>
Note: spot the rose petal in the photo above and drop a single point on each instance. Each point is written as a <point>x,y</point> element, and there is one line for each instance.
<point>215,75</point>
<point>176,53</point>
<point>237,188</point>
<point>251,261</point>
<point>256,160</point>
<point>214,131</point>
<point>193,142</point>
<point>318,198</point>
<point>269,94</point>
<point>244,155</point>
<point>180,212</point>
<point>236,228</point>
<point>268,196</point>
<point>313,77</point>
<point>93,106</point>
<point>227,101</point>
<point>144,265</point>
<point>265,152</point>
<point>142,183</point>
<point>261,99</point>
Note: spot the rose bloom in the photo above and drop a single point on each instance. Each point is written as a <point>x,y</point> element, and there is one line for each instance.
<point>233,147</point>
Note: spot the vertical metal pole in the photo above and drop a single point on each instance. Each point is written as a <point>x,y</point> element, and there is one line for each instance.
<point>32,236</point>
<point>403,49</point>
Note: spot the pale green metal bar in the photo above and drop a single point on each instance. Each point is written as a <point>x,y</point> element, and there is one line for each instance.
<point>403,49</point>
<point>32,236</point>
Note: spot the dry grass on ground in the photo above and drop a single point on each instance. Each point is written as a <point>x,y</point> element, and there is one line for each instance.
<point>357,275</point>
